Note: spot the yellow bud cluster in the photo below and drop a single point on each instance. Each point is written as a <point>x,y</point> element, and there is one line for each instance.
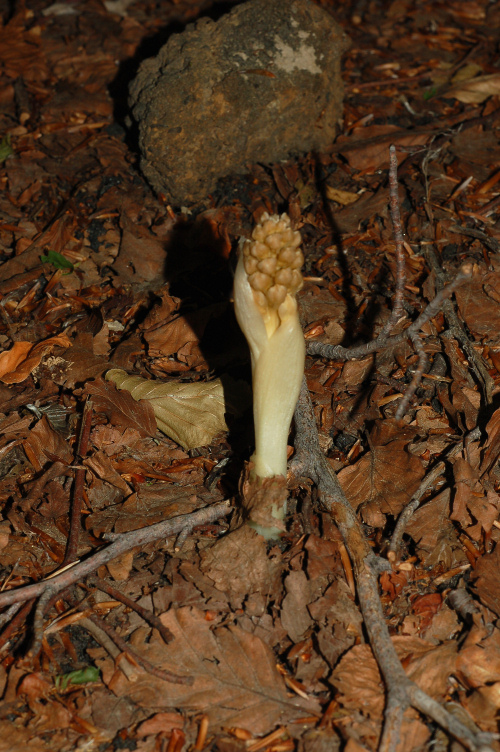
<point>272,261</point>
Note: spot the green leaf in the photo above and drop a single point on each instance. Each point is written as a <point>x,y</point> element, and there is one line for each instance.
<point>57,260</point>
<point>80,676</point>
<point>5,148</point>
<point>429,93</point>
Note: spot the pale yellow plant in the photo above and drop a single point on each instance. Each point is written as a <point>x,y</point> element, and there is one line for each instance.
<point>266,281</point>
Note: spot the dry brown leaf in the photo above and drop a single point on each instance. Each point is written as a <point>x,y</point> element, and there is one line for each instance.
<point>236,682</point>
<point>483,706</point>
<point>160,722</point>
<point>151,504</point>
<point>14,738</point>
<point>10,359</point>
<point>492,443</point>
<point>341,197</point>
<point>44,443</point>
<point>360,686</point>
<point>435,535</point>
<point>294,614</point>
<point>239,565</point>
<point>368,204</point>
<point>180,337</point>
<point>485,579</point>
<point>142,256</point>
<point>120,407</point>
<point>386,478</point>
<point>473,507</point>
<point>17,363</point>
<point>478,662</point>
<point>120,568</point>
<point>358,682</point>
<point>476,90</point>
<point>80,363</point>
<point>170,334</point>
<point>100,464</point>
<point>375,156</point>
<point>480,312</point>
<point>191,414</point>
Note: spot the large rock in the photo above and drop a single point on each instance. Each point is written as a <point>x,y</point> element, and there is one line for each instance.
<point>259,85</point>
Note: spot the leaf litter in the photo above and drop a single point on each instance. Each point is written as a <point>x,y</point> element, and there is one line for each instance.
<point>97,273</point>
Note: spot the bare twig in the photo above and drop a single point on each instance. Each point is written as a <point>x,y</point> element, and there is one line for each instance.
<point>17,614</point>
<point>76,502</point>
<point>41,607</point>
<point>120,544</point>
<point>398,309</point>
<point>146,614</point>
<point>456,329</point>
<point>417,376</point>
<point>8,616</point>
<point>427,483</point>
<point>138,659</point>
<point>401,691</point>
<point>412,505</point>
<point>339,353</point>
<point>55,470</point>
<point>100,636</point>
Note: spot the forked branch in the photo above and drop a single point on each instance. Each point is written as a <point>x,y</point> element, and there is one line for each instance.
<point>401,691</point>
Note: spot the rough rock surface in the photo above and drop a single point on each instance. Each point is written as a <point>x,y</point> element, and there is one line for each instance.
<point>259,85</point>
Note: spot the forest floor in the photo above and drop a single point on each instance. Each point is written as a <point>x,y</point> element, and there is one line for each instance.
<point>98,272</point>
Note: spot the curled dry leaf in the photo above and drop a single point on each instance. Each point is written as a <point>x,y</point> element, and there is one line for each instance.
<point>476,90</point>
<point>191,414</point>
<point>17,363</point>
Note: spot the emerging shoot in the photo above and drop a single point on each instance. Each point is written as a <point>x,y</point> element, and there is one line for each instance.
<point>266,280</point>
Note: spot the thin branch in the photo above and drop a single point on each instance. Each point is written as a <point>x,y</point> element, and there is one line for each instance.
<point>100,636</point>
<point>56,470</point>
<point>417,377</point>
<point>456,330</point>
<point>77,496</point>
<point>401,691</point>
<point>41,607</point>
<point>17,614</point>
<point>120,544</point>
<point>410,508</point>
<point>167,676</point>
<point>398,309</point>
<point>145,613</point>
<point>340,354</point>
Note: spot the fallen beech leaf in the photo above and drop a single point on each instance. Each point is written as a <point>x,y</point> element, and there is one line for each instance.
<point>385,477</point>
<point>294,614</point>
<point>340,196</point>
<point>44,444</point>
<point>17,363</point>
<point>10,359</point>
<point>190,414</point>
<point>238,564</point>
<point>236,682</point>
<point>160,722</point>
<point>485,580</point>
<point>483,705</point>
<point>434,533</point>
<point>476,90</point>
<point>121,409</point>
<point>357,676</point>
<point>369,155</point>
<point>19,739</point>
